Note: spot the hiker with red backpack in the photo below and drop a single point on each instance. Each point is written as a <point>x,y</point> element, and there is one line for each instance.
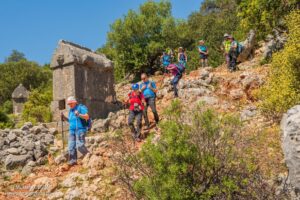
<point>177,70</point>
<point>149,90</point>
<point>136,102</point>
<point>79,122</point>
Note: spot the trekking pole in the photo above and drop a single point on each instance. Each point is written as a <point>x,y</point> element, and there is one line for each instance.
<point>62,132</point>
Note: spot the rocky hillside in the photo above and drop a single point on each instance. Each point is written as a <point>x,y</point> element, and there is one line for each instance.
<point>34,164</point>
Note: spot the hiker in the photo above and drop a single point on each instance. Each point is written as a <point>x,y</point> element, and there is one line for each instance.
<point>149,90</point>
<point>203,52</point>
<point>182,57</point>
<point>77,118</point>
<point>166,60</point>
<point>136,101</point>
<point>226,47</point>
<point>177,71</point>
<point>233,54</point>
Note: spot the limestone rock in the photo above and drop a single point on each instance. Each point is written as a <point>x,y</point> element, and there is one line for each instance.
<point>44,185</point>
<point>100,125</point>
<point>55,195</point>
<point>13,161</point>
<point>248,44</point>
<point>290,126</point>
<point>72,194</point>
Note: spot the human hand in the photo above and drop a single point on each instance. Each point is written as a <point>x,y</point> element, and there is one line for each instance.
<point>76,113</point>
<point>144,87</point>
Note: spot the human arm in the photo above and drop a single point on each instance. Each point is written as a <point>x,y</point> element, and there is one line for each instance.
<point>152,87</point>
<point>82,112</point>
<point>186,58</point>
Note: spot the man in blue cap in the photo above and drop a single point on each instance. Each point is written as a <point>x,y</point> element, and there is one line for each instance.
<point>149,90</point>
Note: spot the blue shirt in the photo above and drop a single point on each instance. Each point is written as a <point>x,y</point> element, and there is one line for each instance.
<point>166,60</point>
<point>148,93</point>
<point>203,48</point>
<point>74,121</point>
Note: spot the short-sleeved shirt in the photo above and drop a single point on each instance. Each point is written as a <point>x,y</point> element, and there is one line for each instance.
<point>148,93</point>
<point>226,44</point>
<point>166,60</point>
<point>74,121</point>
<point>202,48</point>
<point>135,99</point>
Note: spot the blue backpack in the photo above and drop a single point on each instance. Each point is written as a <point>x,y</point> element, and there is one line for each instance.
<point>240,48</point>
<point>86,123</point>
<point>166,59</point>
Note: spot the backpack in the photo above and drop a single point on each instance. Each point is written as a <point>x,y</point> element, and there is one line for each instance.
<point>166,59</point>
<point>240,48</point>
<point>131,96</point>
<point>86,123</point>
<point>182,57</point>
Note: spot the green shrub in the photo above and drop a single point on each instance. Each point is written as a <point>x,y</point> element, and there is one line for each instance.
<point>282,89</point>
<point>37,108</point>
<point>5,121</point>
<point>193,160</point>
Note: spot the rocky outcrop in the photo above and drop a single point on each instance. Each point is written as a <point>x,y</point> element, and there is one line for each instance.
<point>248,44</point>
<point>274,43</point>
<point>27,145</point>
<point>290,126</point>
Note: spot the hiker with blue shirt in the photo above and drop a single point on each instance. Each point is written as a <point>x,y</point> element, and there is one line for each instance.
<point>182,57</point>
<point>149,90</point>
<point>203,53</point>
<point>78,115</point>
<point>166,60</point>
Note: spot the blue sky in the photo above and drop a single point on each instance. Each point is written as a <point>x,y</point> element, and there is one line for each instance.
<point>35,26</point>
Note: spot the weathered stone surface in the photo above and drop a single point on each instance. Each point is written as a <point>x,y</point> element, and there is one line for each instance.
<point>55,195</point>
<point>72,194</point>
<point>44,185</point>
<point>274,43</point>
<point>13,161</point>
<point>70,180</point>
<point>13,151</point>
<point>248,44</point>
<point>88,76</point>
<point>11,137</point>
<point>19,96</point>
<point>290,126</point>
<point>100,125</point>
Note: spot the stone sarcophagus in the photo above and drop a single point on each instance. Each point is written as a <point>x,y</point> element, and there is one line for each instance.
<point>88,76</point>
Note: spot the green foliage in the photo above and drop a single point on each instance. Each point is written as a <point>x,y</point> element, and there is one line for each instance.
<point>263,15</point>
<point>282,89</point>
<point>7,107</point>
<point>15,56</point>
<point>37,108</point>
<point>136,41</point>
<point>28,73</point>
<point>213,20</point>
<point>5,121</point>
<point>194,160</point>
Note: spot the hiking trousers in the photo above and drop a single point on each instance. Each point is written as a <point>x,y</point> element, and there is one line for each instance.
<point>175,82</point>
<point>138,115</point>
<point>76,142</point>
<point>232,59</point>
<point>150,102</point>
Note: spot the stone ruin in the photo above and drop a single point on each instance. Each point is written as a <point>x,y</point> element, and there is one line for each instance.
<point>88,76</point>
<point>19,97</point>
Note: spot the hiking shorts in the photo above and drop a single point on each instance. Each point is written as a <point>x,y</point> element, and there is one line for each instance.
<point>203,56</point>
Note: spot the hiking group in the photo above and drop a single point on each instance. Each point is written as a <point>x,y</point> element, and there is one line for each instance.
<point>143,95</point>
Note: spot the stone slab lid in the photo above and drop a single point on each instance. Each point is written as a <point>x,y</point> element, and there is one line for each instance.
<point>20,92</point>
<point>68,53</point>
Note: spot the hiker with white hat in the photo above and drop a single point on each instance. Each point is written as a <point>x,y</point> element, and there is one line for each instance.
<point>79,120</point>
